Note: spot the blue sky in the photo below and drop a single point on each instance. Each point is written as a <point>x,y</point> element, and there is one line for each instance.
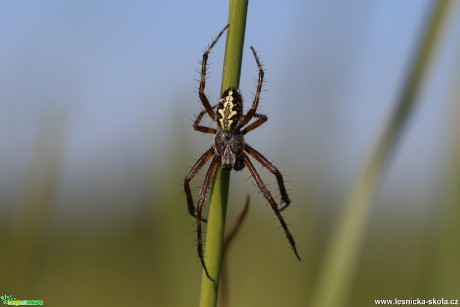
<point>123,73</point>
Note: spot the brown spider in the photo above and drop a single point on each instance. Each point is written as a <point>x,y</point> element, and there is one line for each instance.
<point>229,148</point>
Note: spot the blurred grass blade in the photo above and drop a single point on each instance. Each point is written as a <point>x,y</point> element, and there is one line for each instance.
<point>446,279</point>
<point>219,189</point>
<point>343,252</point>
<point>229,238</point>
<point>26,237</point>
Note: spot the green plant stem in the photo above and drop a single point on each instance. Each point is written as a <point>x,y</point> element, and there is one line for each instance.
<point>219,189</point>
<point>341,257</point>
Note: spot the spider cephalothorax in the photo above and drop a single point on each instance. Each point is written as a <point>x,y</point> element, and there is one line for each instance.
<point>229,149</point>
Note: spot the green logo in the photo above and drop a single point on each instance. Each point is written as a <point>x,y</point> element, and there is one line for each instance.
<point>12,301</point>
<point>5,298</point>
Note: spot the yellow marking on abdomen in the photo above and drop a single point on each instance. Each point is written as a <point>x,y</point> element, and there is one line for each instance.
<point>227,112</point>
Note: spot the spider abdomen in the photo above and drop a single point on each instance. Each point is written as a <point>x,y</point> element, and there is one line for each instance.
<point>229,146</point>
<point>229,110</point>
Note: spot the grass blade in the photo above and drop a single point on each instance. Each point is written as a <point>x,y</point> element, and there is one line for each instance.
<point>341,257</point>
<point>219,190</point>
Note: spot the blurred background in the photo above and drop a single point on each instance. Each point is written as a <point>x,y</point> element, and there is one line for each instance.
<point>97,101</point>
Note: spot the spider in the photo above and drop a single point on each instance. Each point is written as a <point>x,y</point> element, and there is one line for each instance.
<point>229,149</point>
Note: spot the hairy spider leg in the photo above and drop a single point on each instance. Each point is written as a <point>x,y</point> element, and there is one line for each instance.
<point>191,173</point>
<point>279,177</point>
<point>266,193</point>
<point>255,103</point>
<point>260,120</point>
<point>199,208</point>
<point>197,127</point>
<point>204,64</point>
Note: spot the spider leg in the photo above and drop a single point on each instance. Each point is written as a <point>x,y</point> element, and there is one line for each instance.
<point>279,177</point>
<point>197,127</point>
<point>255,103</point>
<point>204,64</point>
<point>260,120</point>
<point>263,189</point>
<point>203,193</point>
<point>191,173</point>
